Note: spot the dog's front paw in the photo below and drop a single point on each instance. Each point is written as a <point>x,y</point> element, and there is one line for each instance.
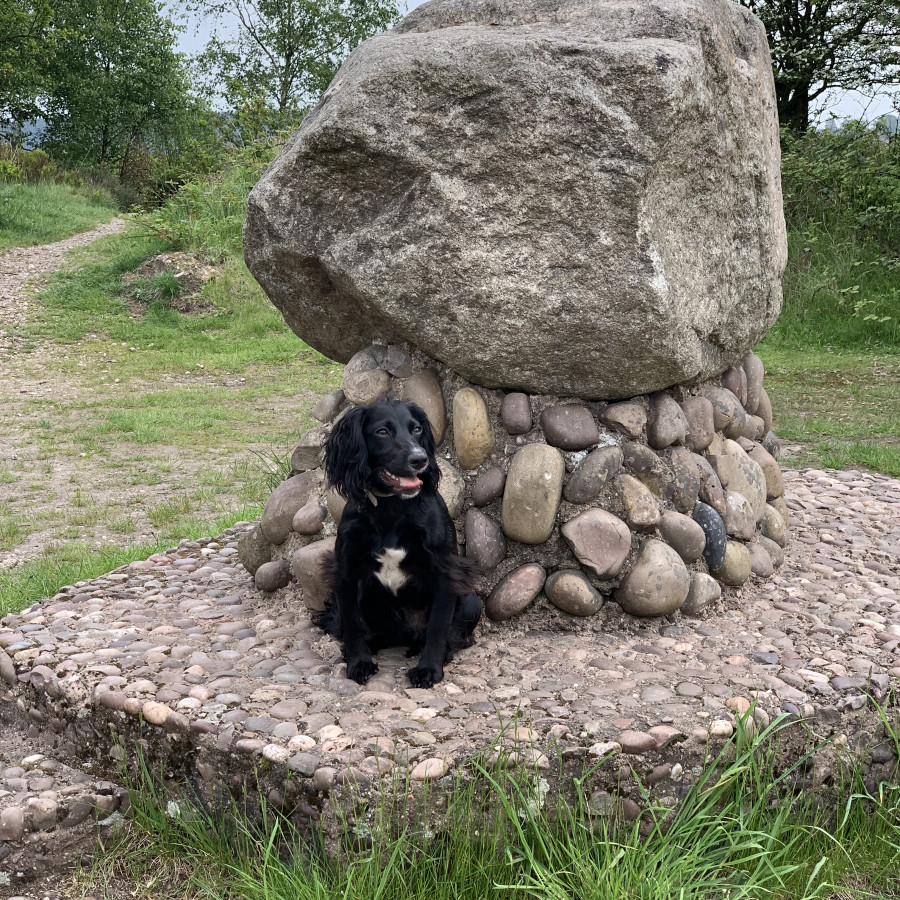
<point>361,670</point>
<point>425,676</point>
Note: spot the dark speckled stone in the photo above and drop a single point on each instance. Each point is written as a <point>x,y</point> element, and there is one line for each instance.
<point>714,529</point>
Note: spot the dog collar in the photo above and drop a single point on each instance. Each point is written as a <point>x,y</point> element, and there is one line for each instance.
<point>373,497</point>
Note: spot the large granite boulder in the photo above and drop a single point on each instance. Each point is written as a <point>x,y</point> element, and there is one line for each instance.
<point>572,197</point>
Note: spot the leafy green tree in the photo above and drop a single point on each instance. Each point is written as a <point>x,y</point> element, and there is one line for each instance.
<point>822,44</point>
<point>117,84</point>
<point>283,53</point>
<point>26,48</point>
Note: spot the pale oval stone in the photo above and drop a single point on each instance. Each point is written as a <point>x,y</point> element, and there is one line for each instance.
<point>753,367</point>
<point>776,554</point>
<point>283,504</point>
<point>703,591</point>
<point>658,583</point>
<point>761,563</point>
<point>779,505</point>
<point>301,742</point>
<point>593,474</point>
<point>720,728</point>
<point>667,424</point>
<point>773,527</point>
<point>739,473</point>
<point>736,568</point>
<point>473,436</point>
<point>515,413</point>
<point>728,414</point>
<point>271,576</point>
<point>641,507</point>
<point>451,487</point>
<point>771,471</point>
<point>429,770</point>
<point>600,541</point>
<point>276,753</point>
<point>363,388</point>
<point>328,406</point>
<point>627,418</point>
<point>569,427</point>
<point>515,592</point>
<point>307,567</point>
<point>424,389</point>
<point>698,413</point>
<point>570,590</point>
<point>683,534</point>
<point>740,520</point>
<point>309,519</point>
<point>532,493</point>
<point>155,713</point>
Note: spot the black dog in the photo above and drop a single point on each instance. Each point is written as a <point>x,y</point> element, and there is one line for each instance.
<point>397,579</point>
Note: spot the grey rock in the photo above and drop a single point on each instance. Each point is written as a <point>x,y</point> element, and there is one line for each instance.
<point>698,413</point>
<point>424,389</point>
<point>335,504</point>
<point>714,529</point>
<point>496,294</point>
<point>532,494</point>
<point>658,583</point>
<point>771,471</point>
<point>593,474</point>
<point>306,764</point>
<point>12,824</point>
<point>776,554</point>
<point>254,549</point>
<point>569,427</point>
<point>328,407</point>
<point>485,543</point>
<point>772,526</point>
<point>647,467</point>
<point>739,473</point>
<point>515,592</point>
<point>307,566</point>
<point>711,491</point>
<point>7,669</point>
<point>667,424</point>
<point>764,410</point>
<point>629,419</point>
<point>571,592</point>
<point>703,591</point>
<point>683,535</point>
<point>600,541</point>
<point>473,436</point>
<point>772,444</point>
<point>488,486</point>
<point>641,507</point>
<point>271,576</point>
<point>515,413</point>
<point>283,504</point>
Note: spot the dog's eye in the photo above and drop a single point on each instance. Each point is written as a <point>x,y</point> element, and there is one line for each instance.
<point>417,429</point>
<point>383,432</point>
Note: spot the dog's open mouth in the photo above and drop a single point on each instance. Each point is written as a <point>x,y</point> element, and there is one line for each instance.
<point>400,483</point>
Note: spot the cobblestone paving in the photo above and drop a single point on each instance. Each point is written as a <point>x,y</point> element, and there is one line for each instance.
<point>184,640</point>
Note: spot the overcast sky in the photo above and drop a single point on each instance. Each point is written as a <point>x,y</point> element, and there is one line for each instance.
<point>841,104</point>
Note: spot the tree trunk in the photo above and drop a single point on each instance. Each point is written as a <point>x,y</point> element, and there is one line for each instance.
<point>793,105</point>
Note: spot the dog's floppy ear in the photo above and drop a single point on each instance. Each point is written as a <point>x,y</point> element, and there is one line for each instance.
<point>347,456</point>
<point>432,474</point>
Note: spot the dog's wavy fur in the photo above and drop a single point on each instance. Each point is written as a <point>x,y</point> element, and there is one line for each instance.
<point>434,610</point>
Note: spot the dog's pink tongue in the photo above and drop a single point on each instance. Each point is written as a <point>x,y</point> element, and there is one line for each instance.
<point>409,483</point>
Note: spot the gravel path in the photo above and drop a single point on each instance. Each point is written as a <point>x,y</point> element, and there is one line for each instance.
<point>184,643</point>
<point>19,265</point>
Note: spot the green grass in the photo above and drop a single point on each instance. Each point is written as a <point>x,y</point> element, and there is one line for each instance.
<point>46,211</point>
<point>741,831</point>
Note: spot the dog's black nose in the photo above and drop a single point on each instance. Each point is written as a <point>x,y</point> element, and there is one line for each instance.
<point>417,457</point>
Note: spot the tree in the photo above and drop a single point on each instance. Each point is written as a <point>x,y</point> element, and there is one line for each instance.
<point>822,44</point>
<point>117,83</point>
<point>26,48</point>
<point>284,52</point>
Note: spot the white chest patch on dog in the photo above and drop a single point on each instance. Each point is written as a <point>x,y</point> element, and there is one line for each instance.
<point>390,574</point>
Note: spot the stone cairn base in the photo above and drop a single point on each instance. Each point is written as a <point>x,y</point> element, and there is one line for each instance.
<point>653,502</point>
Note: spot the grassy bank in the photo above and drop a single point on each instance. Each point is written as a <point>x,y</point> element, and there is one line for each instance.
<point>46,211</point>
<point>741,831</point>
